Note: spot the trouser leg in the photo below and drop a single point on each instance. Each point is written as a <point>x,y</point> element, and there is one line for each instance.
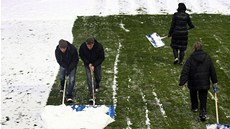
<point>97,74</point>
<point>62,77</point>
<point>203,99</point>
<point>175,53</point>
<point>181,57</point>
<point>72,76</point>
<point>194,99</point>
<point>89,80</point>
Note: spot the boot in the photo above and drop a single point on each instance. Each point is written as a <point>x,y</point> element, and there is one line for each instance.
<point>203,115</point>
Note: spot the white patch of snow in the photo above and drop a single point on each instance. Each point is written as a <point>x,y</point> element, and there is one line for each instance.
<point>159,104</point>
<point>129,123</point>
<point>114,86</point>
<point>123,27</point>
<point>147,121</point>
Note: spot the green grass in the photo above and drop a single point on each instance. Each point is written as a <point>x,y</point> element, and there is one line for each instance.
<point>143,69</point>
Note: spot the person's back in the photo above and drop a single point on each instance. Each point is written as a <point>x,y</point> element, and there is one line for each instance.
<point>179,29</point>
<point>179,32</point>
<point>198,71</point>
<point>201,66</point>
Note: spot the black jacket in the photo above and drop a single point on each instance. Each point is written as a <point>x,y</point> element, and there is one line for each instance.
<point>179,29</point>
<point>69,59</point>
<point>198,70</point>
<point>95,56</point>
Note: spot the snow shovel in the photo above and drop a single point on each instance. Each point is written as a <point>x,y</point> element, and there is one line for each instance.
<point>63,97</point>
<point>93,88</point>
<point>217,125</point>
<point>79,108</point>
<point>155,40</point>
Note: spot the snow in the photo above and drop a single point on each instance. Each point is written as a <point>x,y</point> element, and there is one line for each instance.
<point>159,104</point>
<point>30,31</point>
<point>64,116</point>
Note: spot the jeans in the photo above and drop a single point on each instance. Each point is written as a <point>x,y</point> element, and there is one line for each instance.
<point>97,78</point>
<point>71,80</point>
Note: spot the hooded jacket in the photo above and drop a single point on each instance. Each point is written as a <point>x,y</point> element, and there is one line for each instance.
<point>69,59</point>
<point>95,56</point>
<point>179,29</point>
<point>198,71</point>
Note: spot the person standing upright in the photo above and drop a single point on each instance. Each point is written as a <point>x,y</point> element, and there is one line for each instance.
<point>67,57</point>
<point>92,54</point>
<point>179,32</point>
<point>198,71</point>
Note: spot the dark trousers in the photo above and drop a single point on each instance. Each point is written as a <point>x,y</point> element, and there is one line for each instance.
<point>181,54</point>
<point>202,97</point>
<point>97,78</point>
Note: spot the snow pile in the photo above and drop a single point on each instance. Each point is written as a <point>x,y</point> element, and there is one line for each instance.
<point>64,117</point>
<point>218,126</point>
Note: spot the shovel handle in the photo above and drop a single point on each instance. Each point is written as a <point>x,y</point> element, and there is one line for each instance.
<point>63,97</point>
<point>164,37</point>
<point>93,89</point>
<point>217,116</point>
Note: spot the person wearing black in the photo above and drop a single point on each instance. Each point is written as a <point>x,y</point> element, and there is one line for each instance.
<point>92,54</point>
<point>67,57</point>
<point>198,71</point>
<point>179,32</point>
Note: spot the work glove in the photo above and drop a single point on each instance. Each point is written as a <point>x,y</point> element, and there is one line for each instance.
<point>66,77</point>
<point>214,86</point>
<point>67,73</point>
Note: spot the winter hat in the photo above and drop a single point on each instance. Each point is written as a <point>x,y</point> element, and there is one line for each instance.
<point>90,40</point>
<point>63,43</point>
<point>181,6</point>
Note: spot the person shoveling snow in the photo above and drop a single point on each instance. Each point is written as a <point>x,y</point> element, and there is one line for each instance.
<point>92,54</point>
<point>67,57</point>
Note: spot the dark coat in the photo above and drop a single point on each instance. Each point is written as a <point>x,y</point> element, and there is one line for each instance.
<point>95,56</point>
<point>69,59</point>
<point>198,70</point>
<point>179,30</point>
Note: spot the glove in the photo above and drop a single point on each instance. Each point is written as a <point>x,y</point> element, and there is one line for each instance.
<point>214,86</point>
<point>67,73</point>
